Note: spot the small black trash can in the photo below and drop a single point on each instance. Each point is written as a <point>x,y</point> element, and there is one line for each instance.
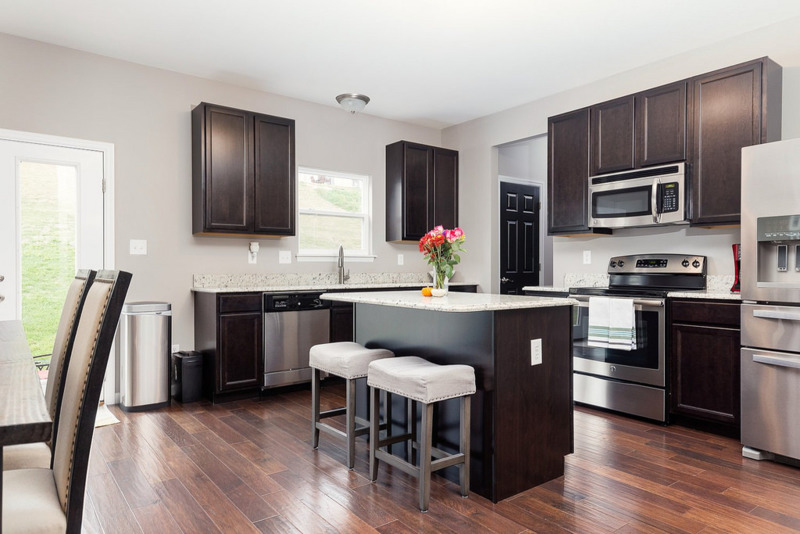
<point>187,376</point>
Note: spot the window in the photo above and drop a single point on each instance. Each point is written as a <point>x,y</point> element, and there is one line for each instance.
<point>334,210</point>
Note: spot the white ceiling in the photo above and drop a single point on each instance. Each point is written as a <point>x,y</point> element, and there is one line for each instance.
<point>430,62</point>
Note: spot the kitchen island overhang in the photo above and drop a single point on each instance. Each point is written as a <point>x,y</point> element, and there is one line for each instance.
<point>521,424</point>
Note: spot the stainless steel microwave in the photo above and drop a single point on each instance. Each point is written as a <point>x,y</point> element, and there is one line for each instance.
<point>643,197</point>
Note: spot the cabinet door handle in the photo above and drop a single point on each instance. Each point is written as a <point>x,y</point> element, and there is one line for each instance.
<point>780,361</point>
<point>769,314</point>
<point>503,280</point>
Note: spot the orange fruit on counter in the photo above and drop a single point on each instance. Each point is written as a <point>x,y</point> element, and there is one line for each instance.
<point>426,292</point>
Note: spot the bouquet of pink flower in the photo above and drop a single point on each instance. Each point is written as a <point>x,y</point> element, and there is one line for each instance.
<point>441,248</point>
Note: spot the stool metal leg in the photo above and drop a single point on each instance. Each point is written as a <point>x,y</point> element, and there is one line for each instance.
<point>464,445</point>
<point>351,423</point>
<point>314,408</point>
<point>374,432</point>
<point>426,429</point>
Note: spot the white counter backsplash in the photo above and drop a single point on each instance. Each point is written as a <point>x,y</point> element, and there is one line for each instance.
<point>222,281</point>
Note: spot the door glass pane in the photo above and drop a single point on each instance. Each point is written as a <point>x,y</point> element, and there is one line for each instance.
<point>625,202</point>
<point>48,231</point>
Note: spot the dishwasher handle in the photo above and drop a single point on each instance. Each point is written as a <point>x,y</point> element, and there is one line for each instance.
<point>771,314</point>
<point>779,361</point>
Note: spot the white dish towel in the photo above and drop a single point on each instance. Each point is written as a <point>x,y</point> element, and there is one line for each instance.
<point>599,321</point>
<point>622,324</point>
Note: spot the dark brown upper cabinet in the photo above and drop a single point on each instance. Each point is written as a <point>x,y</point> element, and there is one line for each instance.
<point>243,173</point>
<point>421,190</point>
<point>612,136</point>
<point>661,125</point>
<point>731,108</point>
<point>568,173</point>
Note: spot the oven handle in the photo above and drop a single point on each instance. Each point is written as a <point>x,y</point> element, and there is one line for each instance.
<point>638,302</point>
<point>779,361</point>
<point>768,314</point>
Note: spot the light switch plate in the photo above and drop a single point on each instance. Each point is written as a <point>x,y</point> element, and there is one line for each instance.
<point>138,247</point>
<point>587,257</point>
<point>285,256</point>
<point>536,351</point>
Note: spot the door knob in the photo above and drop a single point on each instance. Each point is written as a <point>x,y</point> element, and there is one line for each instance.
<point>504,280</point>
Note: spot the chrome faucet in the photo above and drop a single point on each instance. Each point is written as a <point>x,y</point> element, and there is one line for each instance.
<point>342,275</point>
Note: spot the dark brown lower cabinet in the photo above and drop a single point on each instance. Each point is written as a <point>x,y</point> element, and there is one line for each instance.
<point>704,365</point>
<point>228,332</point>
<point>341,322</point>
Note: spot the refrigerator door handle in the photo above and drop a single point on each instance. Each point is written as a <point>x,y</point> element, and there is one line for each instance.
<point>770,314</point>
<point>779,361</point>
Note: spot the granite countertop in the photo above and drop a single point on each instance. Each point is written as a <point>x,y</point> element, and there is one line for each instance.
<point>717,286</point>
<point>270,282</point>
<point>452,302</point>
<point>708,294</point>
<point>546,288</point>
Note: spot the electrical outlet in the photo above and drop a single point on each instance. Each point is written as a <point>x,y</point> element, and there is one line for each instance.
<point>399,259</point>
<point>285,256</point>
<point>536,351</point>
<point>138,247</point>
<point>587,257</point>
<point>176,347</point>
<point>252,257</point>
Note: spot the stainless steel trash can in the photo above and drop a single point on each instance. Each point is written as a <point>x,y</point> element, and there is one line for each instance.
<point>145,343</point>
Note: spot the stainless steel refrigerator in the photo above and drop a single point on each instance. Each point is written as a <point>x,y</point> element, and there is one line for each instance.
<point>770,289</point>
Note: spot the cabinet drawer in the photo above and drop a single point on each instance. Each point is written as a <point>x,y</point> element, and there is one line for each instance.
<point>239,303</point>
<point>705,312</point>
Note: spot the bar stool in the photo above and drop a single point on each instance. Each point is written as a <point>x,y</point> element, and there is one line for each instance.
<point>428,383</point>
<point>347,360</point>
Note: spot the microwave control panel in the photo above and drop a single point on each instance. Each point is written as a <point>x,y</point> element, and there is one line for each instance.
<point>669,196</point>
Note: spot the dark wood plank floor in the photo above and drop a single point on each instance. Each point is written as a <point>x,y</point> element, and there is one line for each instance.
<point>248,467</point>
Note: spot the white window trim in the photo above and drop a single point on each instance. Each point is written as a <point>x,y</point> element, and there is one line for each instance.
<point>326,256</point>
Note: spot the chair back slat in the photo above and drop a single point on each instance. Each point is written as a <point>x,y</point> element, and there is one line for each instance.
<point>81,389</point>
<point>65,337</point>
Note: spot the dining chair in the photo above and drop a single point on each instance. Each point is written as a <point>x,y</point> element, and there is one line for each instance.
<point>51,500</point>
<point>40,454</point>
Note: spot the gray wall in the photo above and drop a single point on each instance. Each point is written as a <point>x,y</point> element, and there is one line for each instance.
<point>145,113</point>
<point>478,140</point>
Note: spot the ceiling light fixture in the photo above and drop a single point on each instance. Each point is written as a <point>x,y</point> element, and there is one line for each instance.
<point>352,102</point>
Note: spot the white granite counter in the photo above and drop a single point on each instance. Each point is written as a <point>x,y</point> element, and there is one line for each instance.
<point>452,302</point>
<point>548,289</point>
<point>717,286</point>
<point>708,294</point>
<point>270,282</point>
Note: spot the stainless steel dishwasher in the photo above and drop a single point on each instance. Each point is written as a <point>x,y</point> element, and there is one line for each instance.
<point>293,323</point>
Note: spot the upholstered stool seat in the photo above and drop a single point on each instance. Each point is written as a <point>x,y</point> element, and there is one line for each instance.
<point>428,383</point>
<point>350,361</point>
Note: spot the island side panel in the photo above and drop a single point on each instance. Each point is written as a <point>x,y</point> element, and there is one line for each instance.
<point>533,426</point>
<point>442,338</point>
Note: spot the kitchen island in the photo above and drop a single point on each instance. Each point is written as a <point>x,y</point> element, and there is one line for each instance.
<point>521,421</point>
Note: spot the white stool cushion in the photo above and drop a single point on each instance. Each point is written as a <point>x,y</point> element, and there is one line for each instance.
<point>345,359</point>
<point>26,456</point>
<point>421,380</point>
<point>30,502</point>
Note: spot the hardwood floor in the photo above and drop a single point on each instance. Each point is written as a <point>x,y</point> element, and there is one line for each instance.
<point>248,467</point>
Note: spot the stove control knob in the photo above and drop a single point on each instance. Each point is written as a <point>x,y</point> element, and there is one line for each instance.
<point>621,263</point>
<point>613,263</point>
<point>685,263</point>
<point>695,264</point>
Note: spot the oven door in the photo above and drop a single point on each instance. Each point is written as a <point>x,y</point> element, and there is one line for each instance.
<point>645,365</point>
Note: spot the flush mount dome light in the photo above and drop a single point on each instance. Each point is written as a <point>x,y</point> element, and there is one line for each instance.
<point>352,102</point>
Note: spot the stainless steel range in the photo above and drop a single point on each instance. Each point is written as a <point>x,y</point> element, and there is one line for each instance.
<point>631,379</point>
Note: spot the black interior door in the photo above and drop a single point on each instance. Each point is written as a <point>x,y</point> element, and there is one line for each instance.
<point>519,228</point>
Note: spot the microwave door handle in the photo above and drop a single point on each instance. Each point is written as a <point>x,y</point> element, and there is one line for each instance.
<point>654,201</point>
